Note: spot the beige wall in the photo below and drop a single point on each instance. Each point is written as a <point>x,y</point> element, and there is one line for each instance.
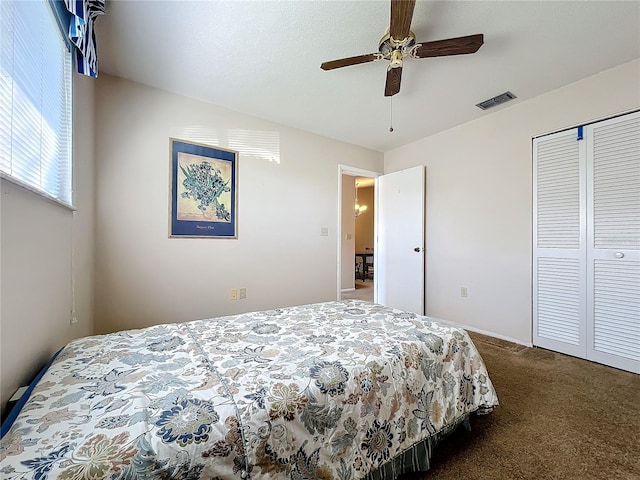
<point>37,242</point>
<point>144,278</point>
<point>365,223</point>
<point>479,200</point>
<point>348,250</point>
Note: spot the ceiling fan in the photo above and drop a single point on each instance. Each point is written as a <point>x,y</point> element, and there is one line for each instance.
<point>399,43</point>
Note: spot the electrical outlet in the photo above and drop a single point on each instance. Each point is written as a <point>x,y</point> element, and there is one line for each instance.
<point>243,293</point>
<point>73,319</point>
<point>464,292</point>
<point>233,295</point>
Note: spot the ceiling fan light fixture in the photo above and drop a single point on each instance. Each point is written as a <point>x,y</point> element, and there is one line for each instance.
<point>360,209</point>
<point>396,59</point>
<point>400,42</point>
<point>388,45</point>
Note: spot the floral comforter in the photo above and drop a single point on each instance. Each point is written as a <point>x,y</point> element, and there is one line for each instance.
<point>326,391</point>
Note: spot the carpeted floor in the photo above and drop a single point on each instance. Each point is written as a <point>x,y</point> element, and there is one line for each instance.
<point>363,291</point>
<point>559,418</point>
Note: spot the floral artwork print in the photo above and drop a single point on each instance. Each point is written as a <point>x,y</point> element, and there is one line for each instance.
<point>336,390</point>
<point>203,191</point>
<point>203,184</point>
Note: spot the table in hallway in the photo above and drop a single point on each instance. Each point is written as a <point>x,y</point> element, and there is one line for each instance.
<point>365,267</point>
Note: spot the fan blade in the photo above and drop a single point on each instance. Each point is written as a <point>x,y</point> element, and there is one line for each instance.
<point>393,81</point>
<point>401,14</point>
<point>345,62</point>
<point>450,46</point>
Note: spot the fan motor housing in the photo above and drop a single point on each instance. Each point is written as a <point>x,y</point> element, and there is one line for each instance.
<point>389,44</point>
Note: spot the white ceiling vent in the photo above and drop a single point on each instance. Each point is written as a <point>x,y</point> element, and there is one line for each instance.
<point>492,102</point>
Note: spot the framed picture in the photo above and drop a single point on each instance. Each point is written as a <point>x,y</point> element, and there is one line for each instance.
<point>204,194</point>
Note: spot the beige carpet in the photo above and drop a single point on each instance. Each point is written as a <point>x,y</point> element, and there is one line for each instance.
<point>364,291</point>
<point>559,418</point>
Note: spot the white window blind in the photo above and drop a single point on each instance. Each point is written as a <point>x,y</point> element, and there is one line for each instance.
<point>35,99</point>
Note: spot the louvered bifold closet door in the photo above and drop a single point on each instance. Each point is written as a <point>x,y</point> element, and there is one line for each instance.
<point>559,277</point>
<point>613,242</point>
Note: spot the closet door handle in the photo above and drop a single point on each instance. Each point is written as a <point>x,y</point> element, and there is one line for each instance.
<point>619,255</point>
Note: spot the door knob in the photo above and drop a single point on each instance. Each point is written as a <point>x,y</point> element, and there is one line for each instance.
<point>619,255</point>
<point>417,249</point>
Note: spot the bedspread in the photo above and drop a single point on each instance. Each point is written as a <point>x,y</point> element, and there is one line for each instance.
<point>333,390</point>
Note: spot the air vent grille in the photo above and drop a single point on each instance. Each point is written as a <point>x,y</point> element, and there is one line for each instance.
<point>492,102</point>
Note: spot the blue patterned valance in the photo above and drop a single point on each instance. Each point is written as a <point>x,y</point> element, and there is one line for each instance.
<point>81,33</point>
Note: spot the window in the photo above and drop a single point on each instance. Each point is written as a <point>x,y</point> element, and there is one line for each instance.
<point>35,99</point>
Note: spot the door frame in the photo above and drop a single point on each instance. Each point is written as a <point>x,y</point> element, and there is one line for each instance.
<point>354,172</point>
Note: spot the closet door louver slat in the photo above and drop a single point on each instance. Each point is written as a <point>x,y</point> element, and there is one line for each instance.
<point>586,242</point>
<point>559,299</point>
<point>559,271</point>
<point>613,242</point>
<point>616,165</point>
<point>558,187</point>
<point>616,310</point>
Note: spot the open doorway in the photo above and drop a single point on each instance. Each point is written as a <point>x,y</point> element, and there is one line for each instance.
<point>364,240</point>
<point>356,249</point>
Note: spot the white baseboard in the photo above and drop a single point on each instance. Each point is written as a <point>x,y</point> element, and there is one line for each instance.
<point>347,290</point>
<point>484,332</point>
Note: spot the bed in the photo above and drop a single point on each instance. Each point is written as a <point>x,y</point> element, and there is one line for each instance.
<point>336,390</point>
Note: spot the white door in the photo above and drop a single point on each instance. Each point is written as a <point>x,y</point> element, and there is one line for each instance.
<point>613,242</point>
<point>399,253</point>
<point>559,272</point>
<point>586,250</point>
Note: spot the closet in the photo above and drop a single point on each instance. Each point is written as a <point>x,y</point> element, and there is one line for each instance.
<point>586,241</point>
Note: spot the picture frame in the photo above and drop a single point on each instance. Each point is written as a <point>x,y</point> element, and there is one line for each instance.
<point>203,191</point>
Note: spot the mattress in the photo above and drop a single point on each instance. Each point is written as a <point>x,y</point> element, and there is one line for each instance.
<point>336,390</point>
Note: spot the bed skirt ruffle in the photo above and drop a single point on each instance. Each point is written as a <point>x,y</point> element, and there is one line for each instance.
<point>418,457</point>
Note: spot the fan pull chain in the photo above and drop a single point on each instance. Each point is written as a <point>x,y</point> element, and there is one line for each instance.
<point>391,116</point>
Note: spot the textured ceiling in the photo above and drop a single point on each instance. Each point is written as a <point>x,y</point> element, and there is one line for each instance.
<point>263,58</point>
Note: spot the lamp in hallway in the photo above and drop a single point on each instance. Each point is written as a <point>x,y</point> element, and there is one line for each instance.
<point>360,209</point>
